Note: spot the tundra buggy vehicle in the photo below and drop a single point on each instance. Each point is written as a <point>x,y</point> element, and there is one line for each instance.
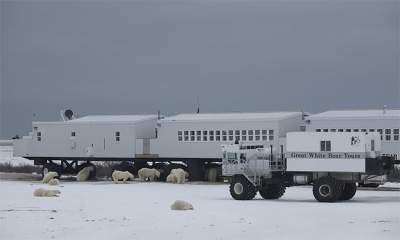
<point>332,162</point>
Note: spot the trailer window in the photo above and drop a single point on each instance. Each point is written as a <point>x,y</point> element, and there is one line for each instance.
<point>387,134</point>
<point>192,136</point>
<point>355,130</point>
<point>186,135</point>
<point>73,134</point>
<point>325,146</point>
<point>244,136</point>
<point>198,135</point>
<point>230,135</point>
<point>257,133</point>
<point>217,135</point>
<point>318,130</point>
<point>333,130</point>
<point>372,130</point>
<point>396,134</point>
<point>264,134</point>
<point>39,136</point>
<point>340,130</point>
<point>179,135</point>
<point>211,134</point>
<point>380,131</point>
<point>117,136</point>
<point>363,130</point>
<point>372,145</point>
<point>204,135</point>
<point>325,130</point>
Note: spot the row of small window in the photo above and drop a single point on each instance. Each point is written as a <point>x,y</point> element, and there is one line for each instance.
<point>226,135</point>
<point>73,134</point>
<point>388,132</point>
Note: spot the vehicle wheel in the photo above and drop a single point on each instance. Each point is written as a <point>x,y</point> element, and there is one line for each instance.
<point>349,190</point>
<point>327,189</point>
<point>272,191</point>
<point>241,189</point>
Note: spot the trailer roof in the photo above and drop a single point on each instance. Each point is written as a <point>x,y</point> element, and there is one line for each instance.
<point>357,114</point>
<point>186,117</point>
<point>113,119</point>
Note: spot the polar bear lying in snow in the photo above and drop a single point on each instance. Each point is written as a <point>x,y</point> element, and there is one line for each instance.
<point>54,181</point>
<point>149,173</point>
<point>49,176</point>
<point>119,175</point>
<point>41,192</point>
<point>83,175</point>
<point>177,175</point>
<point>181,205</point>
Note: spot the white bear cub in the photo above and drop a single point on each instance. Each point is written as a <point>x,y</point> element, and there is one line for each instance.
<point>149,173</point>
<point>49,176</point>
<point>41,192</point>
<point>120,175</point>
<point>181,205</point>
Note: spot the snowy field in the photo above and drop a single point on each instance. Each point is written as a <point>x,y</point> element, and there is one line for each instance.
<point>138,210</point>
<point>6,156</point>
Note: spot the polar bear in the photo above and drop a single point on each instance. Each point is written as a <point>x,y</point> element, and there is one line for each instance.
<point>179,174</point>
<point>83,175</point>
<point>49,176</point>
<point>120,175</point>
<point>171,178</point>
<point>41,192</point>
<point>54,181</point>
<point>149,173</point>
<point>181,205</point>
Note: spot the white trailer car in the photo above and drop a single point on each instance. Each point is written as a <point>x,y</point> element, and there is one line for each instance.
<point>332,162</point>
<point>90,138</point>
<point>386,122</point>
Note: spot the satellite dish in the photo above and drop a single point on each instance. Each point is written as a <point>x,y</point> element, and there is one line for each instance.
<point>67,115</point>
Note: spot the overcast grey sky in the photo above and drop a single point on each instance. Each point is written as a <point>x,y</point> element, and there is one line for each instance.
<point>142,56</point>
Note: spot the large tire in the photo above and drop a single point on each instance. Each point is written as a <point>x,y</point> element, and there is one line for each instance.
<point>349,190</point>
<point>241,189</point>
<point>272,191</point>
<point>327,189</point>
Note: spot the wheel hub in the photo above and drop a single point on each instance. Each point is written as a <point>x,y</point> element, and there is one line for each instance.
<point>238,188</point>
<point>325,190</point>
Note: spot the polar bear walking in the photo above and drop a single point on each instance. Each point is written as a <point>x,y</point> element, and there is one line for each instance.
<point>120,175</point>
<point>41,192</point>
<point>181,205</point>
<point>49,176</point>
<point>83,175</point>
<point>149,173</point>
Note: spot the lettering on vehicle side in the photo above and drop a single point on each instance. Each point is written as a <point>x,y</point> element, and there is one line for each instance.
<point>321,155</point>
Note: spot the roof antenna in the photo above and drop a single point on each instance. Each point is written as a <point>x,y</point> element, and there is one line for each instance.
<point>384,109</point>
<point>198,104</point>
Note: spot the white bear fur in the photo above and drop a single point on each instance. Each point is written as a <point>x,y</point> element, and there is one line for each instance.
<point>49,176</point>
<point>181,205</point>
<point>179,174</point>
<point>41,192</point>
<point>120,175</point>
<point>83,175</point>
<point>171,178</point>
<point>149,173</point>
<point>54,181</point>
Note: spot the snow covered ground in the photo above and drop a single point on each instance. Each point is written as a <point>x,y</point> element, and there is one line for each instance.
<point>103,210</point>
<point>6,156</point>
